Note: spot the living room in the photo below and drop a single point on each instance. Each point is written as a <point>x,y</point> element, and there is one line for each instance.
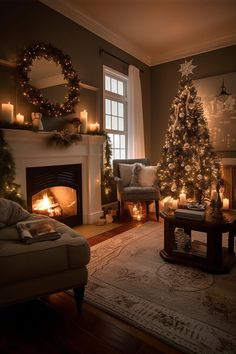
<point>25,23</point>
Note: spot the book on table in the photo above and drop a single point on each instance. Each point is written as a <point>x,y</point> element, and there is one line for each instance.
<point>37,230</point>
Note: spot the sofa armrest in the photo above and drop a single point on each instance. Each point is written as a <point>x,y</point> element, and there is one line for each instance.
<point>119,184</point>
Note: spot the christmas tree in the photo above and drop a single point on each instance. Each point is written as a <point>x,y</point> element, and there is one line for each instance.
<point>188,162</point>
<point>8,188</point>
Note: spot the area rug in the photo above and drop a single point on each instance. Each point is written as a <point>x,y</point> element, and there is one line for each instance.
<point>185,307</point>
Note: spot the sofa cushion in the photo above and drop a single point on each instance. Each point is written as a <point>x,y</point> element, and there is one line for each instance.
<point>21,261</point>
<point>140,193</point>
<point>11,212</point>
<point>126,171</point>
<point>143,176</point>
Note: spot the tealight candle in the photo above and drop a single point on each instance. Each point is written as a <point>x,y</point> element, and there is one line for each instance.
<point>94,127</point>
<point>7,112</point>
<point>225,203</point>
<point>20,118</point>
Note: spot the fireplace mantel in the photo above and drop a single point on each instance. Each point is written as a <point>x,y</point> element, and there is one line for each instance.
<point>30,149</point>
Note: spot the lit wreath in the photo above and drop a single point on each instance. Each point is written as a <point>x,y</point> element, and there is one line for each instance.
<point>24,63</point>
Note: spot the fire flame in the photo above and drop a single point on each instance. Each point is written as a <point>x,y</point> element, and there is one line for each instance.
<point>45,204</point>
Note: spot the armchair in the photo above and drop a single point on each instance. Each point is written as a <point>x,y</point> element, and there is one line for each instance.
<point>132,192</point>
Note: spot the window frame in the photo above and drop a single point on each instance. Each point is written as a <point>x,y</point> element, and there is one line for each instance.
<point>117,98</point>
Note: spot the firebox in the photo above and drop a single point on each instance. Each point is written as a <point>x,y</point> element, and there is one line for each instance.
<point>56,191</point>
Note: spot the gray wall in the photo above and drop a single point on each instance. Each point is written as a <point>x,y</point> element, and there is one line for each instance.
<point>23,22</point>
<point>164,84</point>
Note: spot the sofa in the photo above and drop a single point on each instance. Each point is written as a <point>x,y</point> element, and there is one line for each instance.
<point>32,270</point>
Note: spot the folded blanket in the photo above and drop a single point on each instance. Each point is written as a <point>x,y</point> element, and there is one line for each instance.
<point>37,230</point>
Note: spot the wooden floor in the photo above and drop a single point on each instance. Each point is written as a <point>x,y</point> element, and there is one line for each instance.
<point>52,326</point>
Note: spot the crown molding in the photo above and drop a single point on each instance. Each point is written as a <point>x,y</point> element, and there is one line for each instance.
<point>203,47</point>
<point>73,13</point>
<point>67,9</point>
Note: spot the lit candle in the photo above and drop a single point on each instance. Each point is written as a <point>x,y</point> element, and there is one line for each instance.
<point>97,126</point>
<point>225,203</point>
<point>182,198</point>
<point>174,203</point>
<point>135,212</point>
<point>7,112</point>
<point>94,127</point>
<point>20,118</point>
<point>139,217</point>
<point>83,117</point>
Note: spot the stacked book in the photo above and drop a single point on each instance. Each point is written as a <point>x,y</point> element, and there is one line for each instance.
<point>190,214</point>
<point>37,230</point>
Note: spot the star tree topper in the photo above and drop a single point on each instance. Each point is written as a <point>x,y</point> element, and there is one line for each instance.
<point>187,68</point>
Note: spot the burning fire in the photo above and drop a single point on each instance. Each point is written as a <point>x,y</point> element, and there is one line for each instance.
<point>45,204</point>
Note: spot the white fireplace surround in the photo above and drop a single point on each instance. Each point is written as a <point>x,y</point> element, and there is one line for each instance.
<point>30,149</point>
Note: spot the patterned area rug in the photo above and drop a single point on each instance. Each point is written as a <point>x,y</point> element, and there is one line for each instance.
<point>189,309</point>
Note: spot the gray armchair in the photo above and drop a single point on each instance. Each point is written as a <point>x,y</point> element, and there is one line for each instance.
<point>122,175</point>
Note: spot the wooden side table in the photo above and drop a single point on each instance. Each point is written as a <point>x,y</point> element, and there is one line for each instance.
<point>217,259</point>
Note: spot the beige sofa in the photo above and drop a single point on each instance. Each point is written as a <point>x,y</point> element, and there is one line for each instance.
<point>32,270</point>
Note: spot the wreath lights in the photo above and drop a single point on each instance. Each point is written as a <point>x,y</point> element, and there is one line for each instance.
<point>37,51</point>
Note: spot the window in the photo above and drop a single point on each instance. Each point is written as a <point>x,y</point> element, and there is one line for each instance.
<point>115,111</point>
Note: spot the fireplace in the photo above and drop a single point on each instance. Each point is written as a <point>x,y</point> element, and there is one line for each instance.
<point>30,150</point>
<point>56,191</point>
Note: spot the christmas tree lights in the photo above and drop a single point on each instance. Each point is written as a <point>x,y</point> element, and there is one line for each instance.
<point>188,162</point>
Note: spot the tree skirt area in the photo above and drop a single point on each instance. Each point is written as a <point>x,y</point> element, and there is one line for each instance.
<point>185,307</point>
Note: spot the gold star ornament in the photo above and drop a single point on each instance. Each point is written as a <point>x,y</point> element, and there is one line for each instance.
<point>187,68</point>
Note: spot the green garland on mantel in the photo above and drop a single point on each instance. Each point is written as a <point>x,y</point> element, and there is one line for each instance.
<point>66,138</point>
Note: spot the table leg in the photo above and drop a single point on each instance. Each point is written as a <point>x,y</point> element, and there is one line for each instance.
<point>231,241</point>
<point>214,251</point>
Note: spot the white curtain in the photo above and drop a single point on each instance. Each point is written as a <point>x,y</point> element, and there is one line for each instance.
<point>136,148</point>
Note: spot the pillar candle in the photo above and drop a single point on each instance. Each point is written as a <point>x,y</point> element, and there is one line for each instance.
<point>83,117</point>
<point>20,118</point>
<point>182,198</point>
<point>174,203</point>
<point>225,203</point>
<point>7,112</point>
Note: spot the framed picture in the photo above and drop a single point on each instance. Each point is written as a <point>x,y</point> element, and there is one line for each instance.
<point>218,95</point>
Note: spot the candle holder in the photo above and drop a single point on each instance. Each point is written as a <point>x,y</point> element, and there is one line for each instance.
<point>217,210</point>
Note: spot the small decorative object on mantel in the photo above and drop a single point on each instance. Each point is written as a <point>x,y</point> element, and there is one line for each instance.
<point>64,138</point>
<point>37,120</point>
